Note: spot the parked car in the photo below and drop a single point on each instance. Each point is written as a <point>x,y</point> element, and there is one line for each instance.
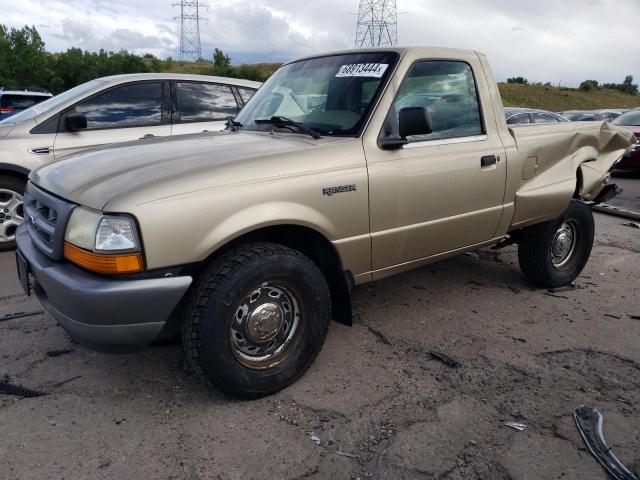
<point>14,101</point>
<point>108,110</point>
<point>584,116</point>
<point>248,241</point>
<point>521,116</point>
<point>612,113</point>
<point>630,121</point>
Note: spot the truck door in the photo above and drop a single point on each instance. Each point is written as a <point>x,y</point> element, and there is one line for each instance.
<point>444,190</point>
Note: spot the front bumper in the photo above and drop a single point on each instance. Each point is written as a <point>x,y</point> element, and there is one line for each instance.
<point>102,313</point>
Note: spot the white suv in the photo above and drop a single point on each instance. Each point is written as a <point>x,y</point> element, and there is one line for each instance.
<point>103,111</point>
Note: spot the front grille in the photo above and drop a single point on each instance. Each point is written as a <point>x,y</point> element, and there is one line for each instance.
<point>46,216</point>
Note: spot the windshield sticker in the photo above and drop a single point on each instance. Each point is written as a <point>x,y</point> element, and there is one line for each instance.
<point>375,70</point>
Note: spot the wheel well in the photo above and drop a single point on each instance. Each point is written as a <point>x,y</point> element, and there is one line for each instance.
<point>14,174</point>
<point>319,249</point>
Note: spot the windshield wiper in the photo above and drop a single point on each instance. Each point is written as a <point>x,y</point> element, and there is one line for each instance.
<point>284,122</point>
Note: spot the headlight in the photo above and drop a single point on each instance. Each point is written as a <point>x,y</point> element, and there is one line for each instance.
<point>103,243</point>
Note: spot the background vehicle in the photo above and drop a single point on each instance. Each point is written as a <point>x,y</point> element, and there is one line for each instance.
<point>630,121</point>
<point>584,116</point>
<point>108,110</point>
<point>520,116</point>
<point>248,241</point>
<point>14,101</point>
<point>612,113</point>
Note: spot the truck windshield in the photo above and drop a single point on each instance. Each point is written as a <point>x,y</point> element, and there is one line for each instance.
<point>53,102</point>
<point>332,95</point>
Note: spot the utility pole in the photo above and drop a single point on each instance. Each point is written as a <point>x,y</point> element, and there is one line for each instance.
<point>190,48</point>
<point>377,23</point>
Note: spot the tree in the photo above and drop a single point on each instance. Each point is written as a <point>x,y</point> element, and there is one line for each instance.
<point>22,58</point>
<point>589,85</point>
<point>518,80</point>
<point>221,64</point>
<point>628,86</point>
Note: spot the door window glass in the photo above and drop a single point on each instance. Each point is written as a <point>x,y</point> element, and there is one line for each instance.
<point>205,102</point>
<point>447,90</point>
<point>246,93</point>
<point>133,105</point>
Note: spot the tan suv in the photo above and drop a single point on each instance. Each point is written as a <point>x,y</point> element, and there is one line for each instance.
<point>103,111</point>
<point>342,169</point>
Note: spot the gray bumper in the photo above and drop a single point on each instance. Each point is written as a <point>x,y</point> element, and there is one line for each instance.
<point>102,313</point>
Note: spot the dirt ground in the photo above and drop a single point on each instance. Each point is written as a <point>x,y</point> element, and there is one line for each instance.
<point>377,401</point>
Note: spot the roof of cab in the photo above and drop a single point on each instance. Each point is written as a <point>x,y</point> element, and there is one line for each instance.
<point>401,50</point>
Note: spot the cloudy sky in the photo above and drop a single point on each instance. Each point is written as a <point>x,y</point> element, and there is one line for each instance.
<point>563,41</point>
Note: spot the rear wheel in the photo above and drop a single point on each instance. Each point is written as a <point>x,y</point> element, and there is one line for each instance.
<point>256,319</point>
<point>11,210</point>
<point>554,253</point>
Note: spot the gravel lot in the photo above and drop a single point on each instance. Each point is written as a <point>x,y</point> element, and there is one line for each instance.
<point>381,406</point>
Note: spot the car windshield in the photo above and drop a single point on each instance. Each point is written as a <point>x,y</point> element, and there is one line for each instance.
<point>332,95</point>
<point>52,103</point>
<point>629,118</point>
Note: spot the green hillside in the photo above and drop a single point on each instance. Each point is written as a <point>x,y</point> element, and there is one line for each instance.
<point>559,99</point>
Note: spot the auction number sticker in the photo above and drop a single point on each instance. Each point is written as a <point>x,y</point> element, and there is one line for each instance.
<point>375,70</point>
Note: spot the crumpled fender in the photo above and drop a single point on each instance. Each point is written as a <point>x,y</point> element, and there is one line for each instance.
<point>557,158</point>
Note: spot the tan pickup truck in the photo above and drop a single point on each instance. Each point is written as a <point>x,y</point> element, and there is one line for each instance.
<point>342,169</point>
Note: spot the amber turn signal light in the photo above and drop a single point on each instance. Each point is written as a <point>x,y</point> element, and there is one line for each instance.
<point>104,263</point>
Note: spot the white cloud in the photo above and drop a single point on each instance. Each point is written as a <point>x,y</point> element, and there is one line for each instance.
<point>545,40</point>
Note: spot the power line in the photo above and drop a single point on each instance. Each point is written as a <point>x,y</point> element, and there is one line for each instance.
<point>190,47</point>
<point>377,23</point>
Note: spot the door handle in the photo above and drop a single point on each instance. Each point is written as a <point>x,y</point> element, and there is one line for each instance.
<point>148,135</point>
<point>488,160</point>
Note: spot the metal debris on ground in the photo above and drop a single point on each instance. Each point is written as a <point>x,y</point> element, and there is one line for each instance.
<point>589,423</point>
<point>566,288</point>
<point>555,296</point>
<point>8,388</point>
<point>444,358</point>
<point>516,425</point>
<point>315,439</point>
<point>472,254</point>
<point>57,353</point>
<point>634,317</point>
<point>514,289</point>
<point>59,384</point>
<point>13,316</point>
<point>631,224</point>
<point>345,454</point>
<point>610,315</point>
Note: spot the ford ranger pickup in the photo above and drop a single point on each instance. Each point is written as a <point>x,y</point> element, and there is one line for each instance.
<point>344,168</point>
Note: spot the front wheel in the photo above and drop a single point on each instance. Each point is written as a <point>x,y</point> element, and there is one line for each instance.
<point>256,319</point>
<point>11,210</point>
<point>554,253</point>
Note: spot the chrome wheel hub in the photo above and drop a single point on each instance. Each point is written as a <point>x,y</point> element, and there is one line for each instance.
<point>265,324</point>
<point>11,214</point>
<point>563,243</point>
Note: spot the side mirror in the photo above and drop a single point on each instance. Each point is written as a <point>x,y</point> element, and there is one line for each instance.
<point>414,121</point>
<point>411,121</point>
<point>75,122</point>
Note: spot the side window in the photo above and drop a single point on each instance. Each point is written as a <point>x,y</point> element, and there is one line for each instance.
<point>246,93</point>
<point>134,105</point>
<point>447,90</point>
<point>205,102</point>
<point>543,118</point>
<point>519,119</point>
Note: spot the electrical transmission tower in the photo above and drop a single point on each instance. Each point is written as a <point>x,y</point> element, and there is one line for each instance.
<point>190,48</point>
<point>377,23</point>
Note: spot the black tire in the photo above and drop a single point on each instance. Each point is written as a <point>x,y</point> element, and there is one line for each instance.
<point>541,263</point>
<point>16,185</point>
<point>219,315</point>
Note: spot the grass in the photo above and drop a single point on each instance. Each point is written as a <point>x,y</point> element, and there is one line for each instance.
<point>560,99</point>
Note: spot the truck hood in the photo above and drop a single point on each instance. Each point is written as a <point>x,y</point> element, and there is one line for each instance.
<point>167,166</point>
